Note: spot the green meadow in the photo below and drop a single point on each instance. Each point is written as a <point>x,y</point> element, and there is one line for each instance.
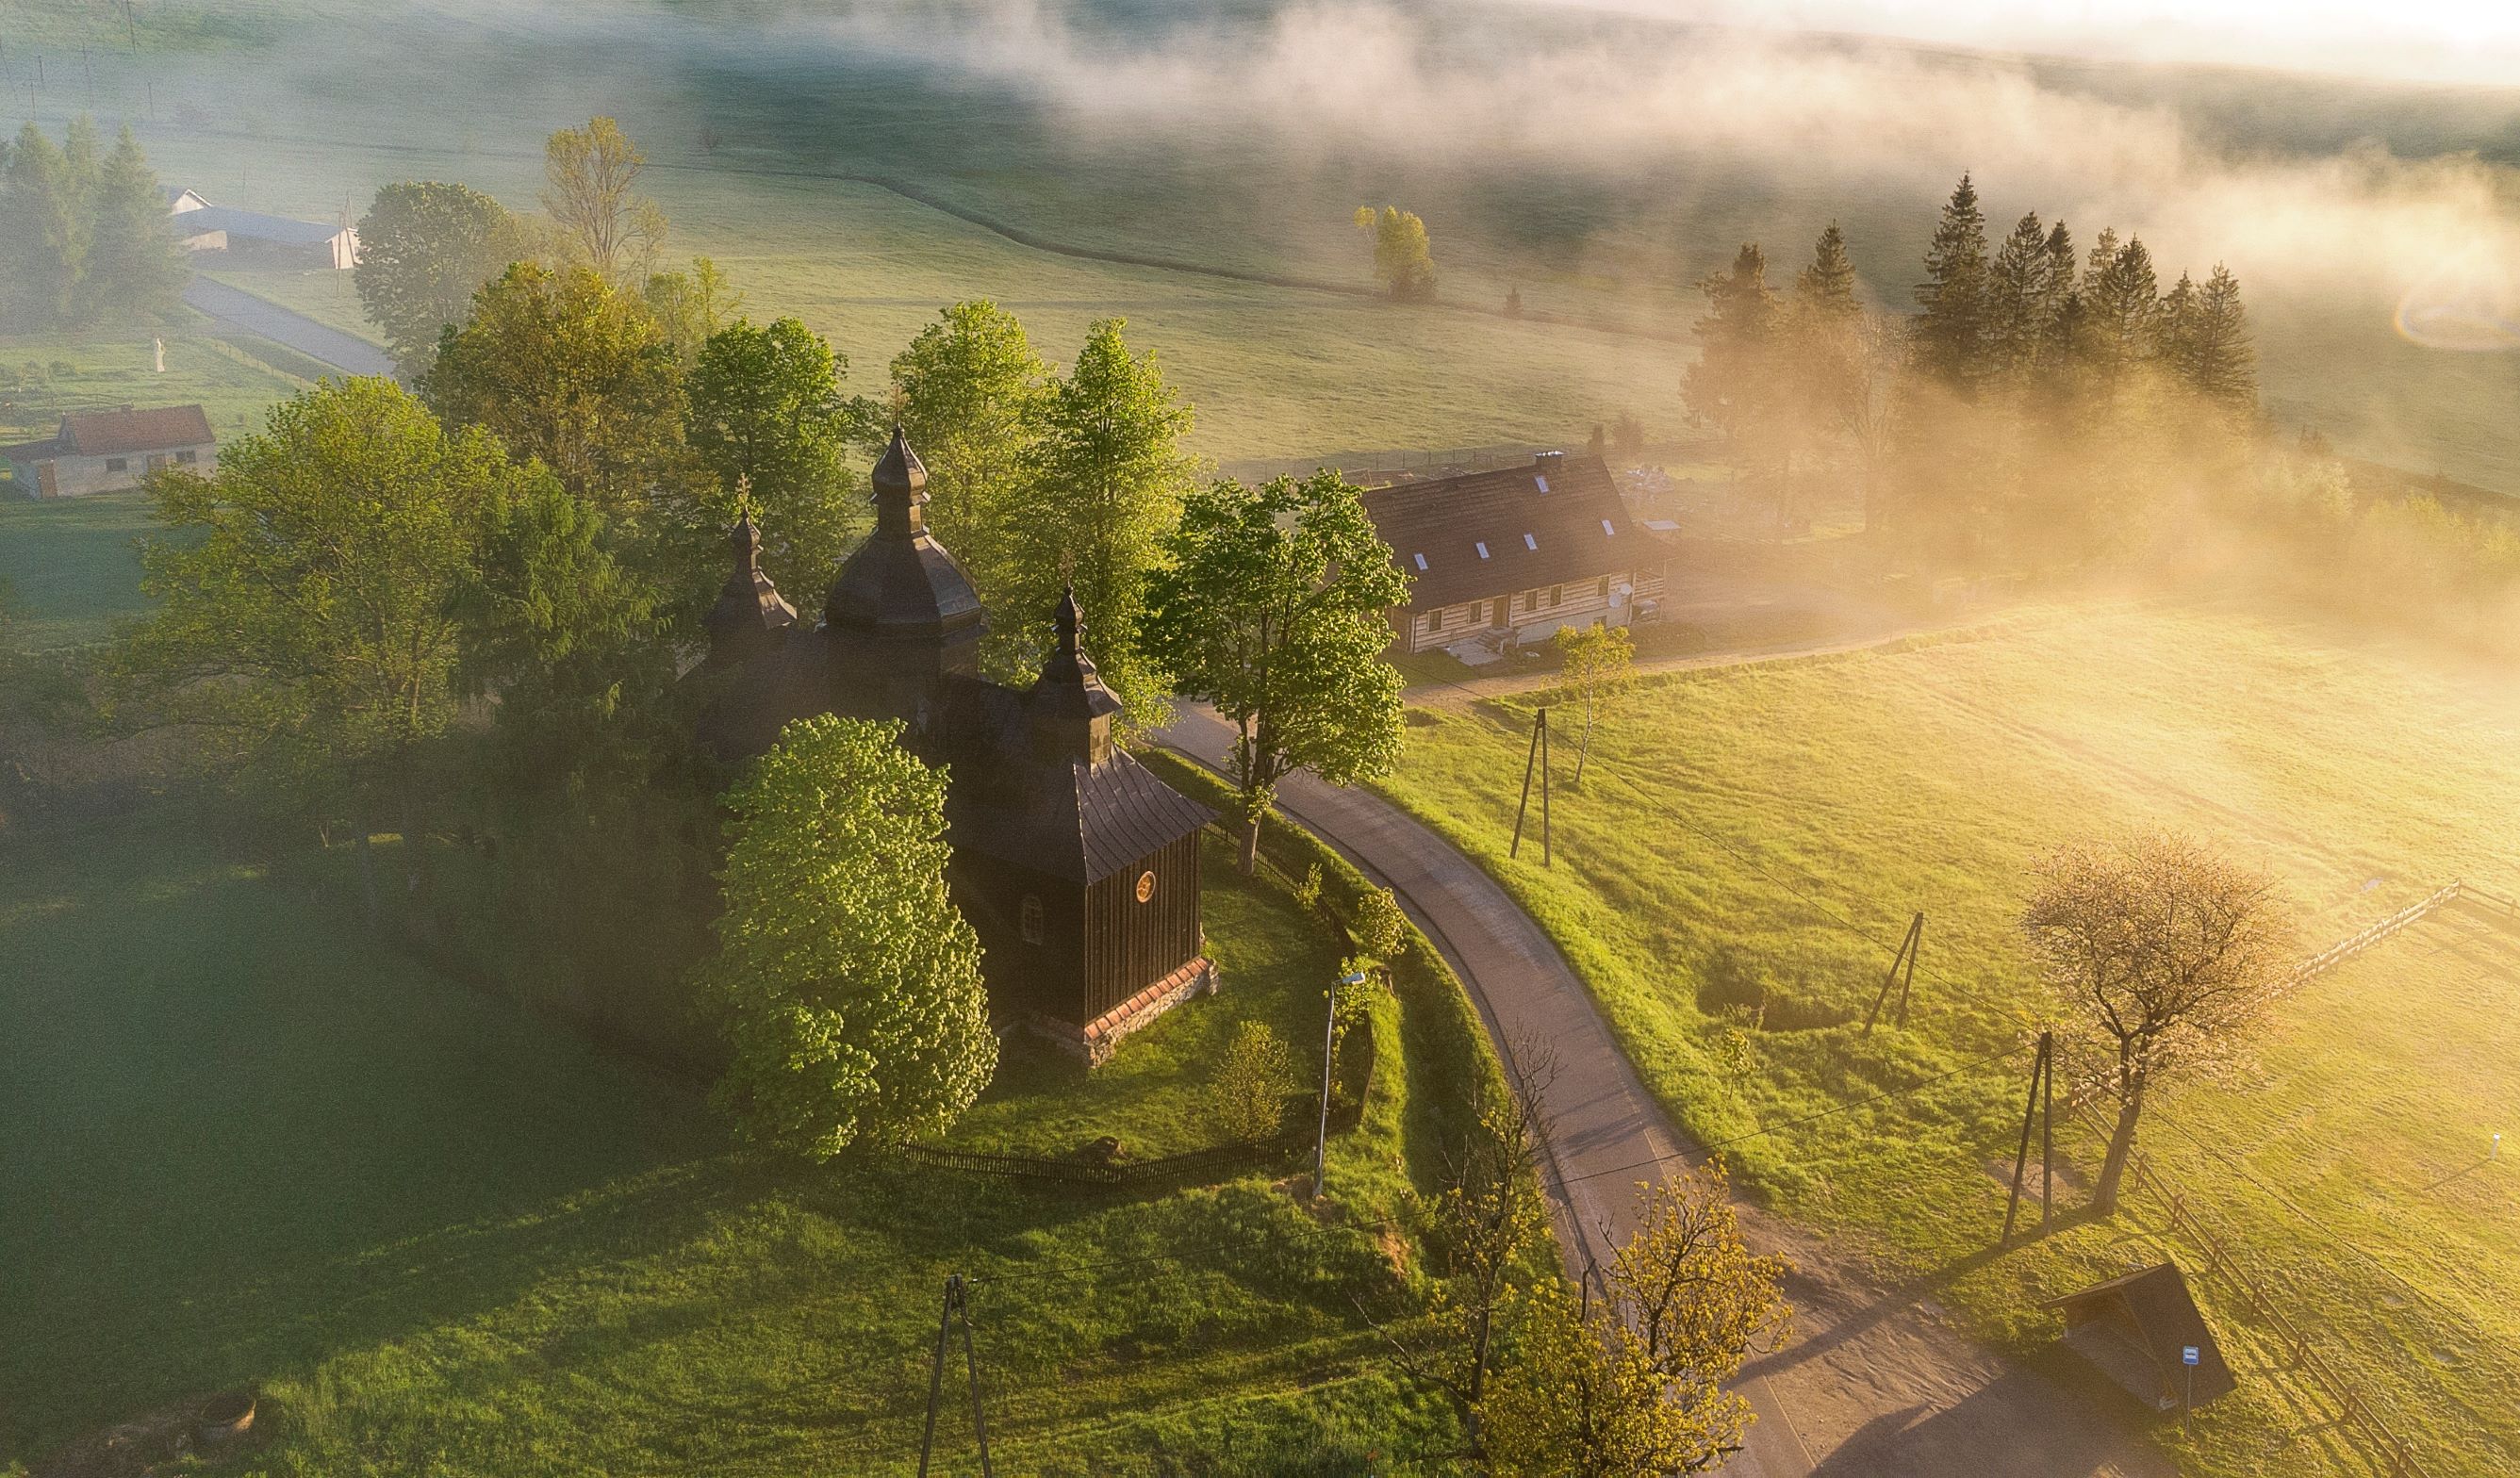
<point>1749,844</point>
<point>251,1145</point>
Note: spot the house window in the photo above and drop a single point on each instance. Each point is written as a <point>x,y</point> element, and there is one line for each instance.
<point>1605,589</point>
<point>1422,562</point>
<point>1607,529</point>
<point>117,463</point>
<point>187,458</point>
<point>1145,886</point>
<point>1033,931</point>
<point>1434,620</point>
<point>1542,481</point>
<point>1556,593</point>
<point>1528,542</point>
<point>1483,549</point>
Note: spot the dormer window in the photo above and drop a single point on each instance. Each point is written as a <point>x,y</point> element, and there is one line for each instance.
<point>1530,543</point>
<point>1607,529</point>
<point>1422,562</point>
<point>1542,481</point>
<point>1483,549</point>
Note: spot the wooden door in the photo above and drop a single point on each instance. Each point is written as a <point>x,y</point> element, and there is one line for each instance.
<point>48,482</point>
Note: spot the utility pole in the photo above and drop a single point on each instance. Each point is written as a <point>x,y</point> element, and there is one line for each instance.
<point>1330,1037</point>
<point>1909,949</point>
<point>1534,762</point>
<point>2042,1094</point>
<point>956,1303</point>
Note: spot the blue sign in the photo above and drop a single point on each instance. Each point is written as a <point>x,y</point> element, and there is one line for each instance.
<point>2187,1355</point>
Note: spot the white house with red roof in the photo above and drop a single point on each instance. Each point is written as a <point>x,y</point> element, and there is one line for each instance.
<point>111,451</point>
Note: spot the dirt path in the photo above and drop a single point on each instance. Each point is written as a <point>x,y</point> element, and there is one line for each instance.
<point>1877,1382</point>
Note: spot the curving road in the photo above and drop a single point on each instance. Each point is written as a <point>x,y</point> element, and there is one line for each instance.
<point>1874,1383</point>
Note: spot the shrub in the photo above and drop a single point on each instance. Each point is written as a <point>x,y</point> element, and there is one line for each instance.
<point>1253,1083</point>
<point>1381,929</point>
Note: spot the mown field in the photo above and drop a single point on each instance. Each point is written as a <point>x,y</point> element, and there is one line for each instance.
<point>1749,844</point>
<point>756,118</point>
<point>251,1145</point>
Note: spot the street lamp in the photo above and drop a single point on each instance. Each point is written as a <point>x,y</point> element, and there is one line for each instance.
<point>1329,1036</point>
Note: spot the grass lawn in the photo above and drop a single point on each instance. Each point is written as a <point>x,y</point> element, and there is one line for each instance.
<point>72,565</point>
<point>250,1146</point>
<point>1732,818</point>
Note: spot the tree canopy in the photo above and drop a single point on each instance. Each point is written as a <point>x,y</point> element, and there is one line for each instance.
<point>766,416</point>
<point>83,233</point>
<point>426,248</point>
<point>1403,261</point>
<point>1273,606</point>
<point>850,982</point>
<point>591,179</point>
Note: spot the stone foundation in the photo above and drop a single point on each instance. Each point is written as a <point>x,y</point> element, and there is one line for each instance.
<point>1095,1039</point>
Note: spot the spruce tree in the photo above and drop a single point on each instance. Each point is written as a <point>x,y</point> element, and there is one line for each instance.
<point>2021,299</point>
<point>2222,363</point>
<point>135,271</point>
<point>44,215</point>
<point>1732,386</point>
<point>1951,337</point>
<point>2121,306</point>
<point>1826,289</point>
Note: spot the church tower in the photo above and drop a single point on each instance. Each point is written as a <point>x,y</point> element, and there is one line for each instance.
<point>902,616</point>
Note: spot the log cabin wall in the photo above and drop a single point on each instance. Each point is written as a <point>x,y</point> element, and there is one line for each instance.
<point>1131,945</point>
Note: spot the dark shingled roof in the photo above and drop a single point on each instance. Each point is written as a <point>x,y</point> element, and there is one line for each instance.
<point>749,608</point>
<point>246,225</point>
<point>1577,529</point>
<point>901,581</point>
<point>2157,1299</point>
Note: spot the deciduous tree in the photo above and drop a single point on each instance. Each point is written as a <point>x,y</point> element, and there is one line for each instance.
<point>575,372</point>
<point>1107,480</point>
<point>766,414</point>
<point>2165,951</point>
<point>1403,261</point>
<point>591,191</point>
<point>426,246</point>
<point>1253,1081</point>
<point>1273,606</point>
<point>1596,661</point>
<point>850,981</point>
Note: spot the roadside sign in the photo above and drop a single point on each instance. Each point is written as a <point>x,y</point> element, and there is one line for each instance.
<point>2187,1355</point>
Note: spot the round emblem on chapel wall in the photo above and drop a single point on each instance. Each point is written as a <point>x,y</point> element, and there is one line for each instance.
<point>1145,886</point>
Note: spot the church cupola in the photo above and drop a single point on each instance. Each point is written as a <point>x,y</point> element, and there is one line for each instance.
<point>1071,711</point>
<point>750,617</point>
<point>901,583</point>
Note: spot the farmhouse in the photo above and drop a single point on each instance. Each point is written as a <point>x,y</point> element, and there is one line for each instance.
<point>111,451</point>
<point>1077,867</point>
<point>250,239</point>
<point>1508,556</point>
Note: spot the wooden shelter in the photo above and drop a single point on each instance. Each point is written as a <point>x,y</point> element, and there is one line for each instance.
<point>1076,866</point>
<point>2137,1329</point>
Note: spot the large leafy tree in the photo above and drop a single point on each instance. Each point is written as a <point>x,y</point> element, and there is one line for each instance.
<point>766,416</point>
<point>591,180</point>
<point>1273,606</point>
<point>2166,952</point>
<point>1403,261</point>
<point>967,393</point>
<point>1108,478</point>
<point>313,595</point>
<point>426,246</point>
<point>1633,1381</point>
<point>567,369</point>
<point>851,983</point>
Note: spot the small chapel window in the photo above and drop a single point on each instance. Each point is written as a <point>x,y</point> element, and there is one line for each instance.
<point>1145,886</point>
<point>1033,931</point>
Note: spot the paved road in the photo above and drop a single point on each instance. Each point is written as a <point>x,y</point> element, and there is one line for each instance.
<point>1874,1382</point>
<point>346,352</point>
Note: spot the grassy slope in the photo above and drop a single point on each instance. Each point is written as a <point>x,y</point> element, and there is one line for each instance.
<point>254,1148</point>
<point>1926,777</point>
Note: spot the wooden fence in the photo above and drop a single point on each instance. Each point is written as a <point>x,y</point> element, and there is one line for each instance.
<point>2354,1414</point>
